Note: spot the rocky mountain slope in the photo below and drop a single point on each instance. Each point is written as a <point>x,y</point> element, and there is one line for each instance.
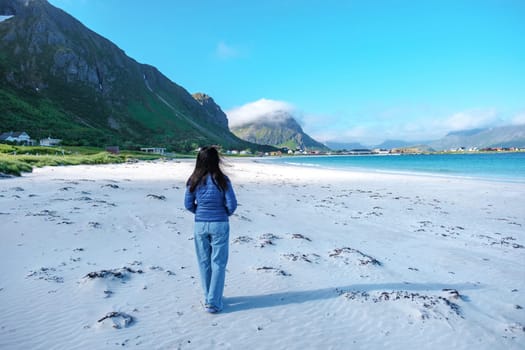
<point>59,78</point>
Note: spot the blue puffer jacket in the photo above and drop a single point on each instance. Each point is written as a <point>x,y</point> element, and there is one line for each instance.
<point>209,202</point>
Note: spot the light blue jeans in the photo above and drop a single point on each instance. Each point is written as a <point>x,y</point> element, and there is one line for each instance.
<point>211,245</point>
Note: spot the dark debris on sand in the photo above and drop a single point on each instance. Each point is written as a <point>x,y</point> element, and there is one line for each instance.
<point>156,196</point>
<point>121,273</point>
<point>300,236</point>
<point>363,258</point>
<point>120,319</point>
<point>275,270</point>
<point>427,302</point>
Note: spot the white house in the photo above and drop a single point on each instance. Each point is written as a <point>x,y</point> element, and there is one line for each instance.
<point>49,142</point>
<point>380,151</point>
<point>16,136</point>
<point>156,150</point>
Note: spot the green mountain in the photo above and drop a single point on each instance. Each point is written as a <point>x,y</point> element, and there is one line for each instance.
<point>60,79</point>
<point>277,129</point>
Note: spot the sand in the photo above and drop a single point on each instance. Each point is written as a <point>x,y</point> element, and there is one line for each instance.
<point>100,257</point>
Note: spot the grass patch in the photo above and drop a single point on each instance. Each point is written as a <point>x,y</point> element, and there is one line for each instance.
<point>15,160</point>
<point>13,166</point>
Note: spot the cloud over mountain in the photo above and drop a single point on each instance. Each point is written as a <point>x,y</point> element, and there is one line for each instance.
<point>409,124</point>
<point>260,110</point>
<point>470,120</point>
<point>271,122</point>
<point>518,119</point>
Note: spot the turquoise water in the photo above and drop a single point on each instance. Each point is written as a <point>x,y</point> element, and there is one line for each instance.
<point>493,166</point>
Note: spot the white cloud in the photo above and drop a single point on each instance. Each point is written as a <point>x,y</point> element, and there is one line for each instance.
<point>373,127</point>
<point>250,112</point>
<point>225,51</point>
<point>361,133</point>
<point>518,119</point>
<point>470,120</point>
<point>423,125</point>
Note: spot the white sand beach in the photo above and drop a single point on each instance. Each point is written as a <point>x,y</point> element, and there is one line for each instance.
<point>102,257</point>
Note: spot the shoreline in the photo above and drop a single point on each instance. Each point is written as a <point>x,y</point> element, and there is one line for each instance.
<point>278,160</point>
<point>450,173</point>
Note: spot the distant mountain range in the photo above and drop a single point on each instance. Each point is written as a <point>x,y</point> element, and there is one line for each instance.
<point>60,79</point>
<point>279,129</point>
<point>503,136</point>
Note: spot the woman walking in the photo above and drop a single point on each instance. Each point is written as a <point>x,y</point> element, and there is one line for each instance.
<point>210,196</point>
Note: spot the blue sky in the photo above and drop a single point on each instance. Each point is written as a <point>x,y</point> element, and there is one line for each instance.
<point>353,71</point>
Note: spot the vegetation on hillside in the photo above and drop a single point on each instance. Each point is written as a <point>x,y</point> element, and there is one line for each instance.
<point>60,79</point>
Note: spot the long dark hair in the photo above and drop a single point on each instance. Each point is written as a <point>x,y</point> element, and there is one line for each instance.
<point>208,161</point>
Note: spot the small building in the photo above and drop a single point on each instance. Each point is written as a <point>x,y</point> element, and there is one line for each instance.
<point>16,136</point>
<point>360,151</point>
<point>156,150</point>
<point>50,142</point>
<point>380,151</point>
<point>113,149</point>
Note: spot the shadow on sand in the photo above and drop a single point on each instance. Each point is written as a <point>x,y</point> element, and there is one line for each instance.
<point>240,303</point>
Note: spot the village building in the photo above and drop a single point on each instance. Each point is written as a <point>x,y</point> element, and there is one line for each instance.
<point>113,149</point>
<point>16,136</point>
<point>380,151</point>
<point>50,142</point>
<point>156,150</point>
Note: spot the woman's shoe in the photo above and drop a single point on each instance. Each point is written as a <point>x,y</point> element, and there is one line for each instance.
<point>211,309</point>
